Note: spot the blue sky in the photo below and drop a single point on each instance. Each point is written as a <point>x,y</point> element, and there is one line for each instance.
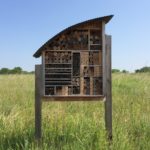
<point>27,24</point>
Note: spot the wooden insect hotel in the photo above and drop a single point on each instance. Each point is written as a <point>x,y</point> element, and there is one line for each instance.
<point>76,63</point>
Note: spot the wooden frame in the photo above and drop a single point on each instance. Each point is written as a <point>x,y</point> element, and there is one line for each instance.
<point>106,96</point>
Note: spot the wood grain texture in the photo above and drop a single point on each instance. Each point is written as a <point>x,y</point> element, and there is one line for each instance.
<point>103,58</point>
<point>108,102</point>
<point>38,103</point>
<point>73,98</point>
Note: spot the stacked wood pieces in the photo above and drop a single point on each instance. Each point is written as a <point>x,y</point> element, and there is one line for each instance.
<point>85,58</point>
<point>91,58</point>
<point>95,47</point>
<point>72,40</point>
<point>74,72</point>
<point>58,90</point>
<point>86,86</point>
<point>95,37</point>
<point>49,91</point>
<point>57,57</point>
<point>76,90</point>
<point>97,86</point>
<point>75,81</point>
<point>94,58</point>
<point>97,72</point>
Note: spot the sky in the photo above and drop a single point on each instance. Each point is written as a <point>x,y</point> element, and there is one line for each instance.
<point>25,25</point>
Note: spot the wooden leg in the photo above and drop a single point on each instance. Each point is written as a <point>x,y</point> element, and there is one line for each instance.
<point>38,103</point>
<point>108,102</point>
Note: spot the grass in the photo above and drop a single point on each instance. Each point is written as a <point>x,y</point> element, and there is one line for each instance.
<point>75,125</point>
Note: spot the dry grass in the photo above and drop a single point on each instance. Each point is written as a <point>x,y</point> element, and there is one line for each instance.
<point>76,125</point>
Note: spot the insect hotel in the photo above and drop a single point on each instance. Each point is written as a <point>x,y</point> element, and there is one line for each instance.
<point>76,65</point>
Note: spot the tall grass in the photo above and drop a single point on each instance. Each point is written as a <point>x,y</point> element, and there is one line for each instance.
<point>75,125</point>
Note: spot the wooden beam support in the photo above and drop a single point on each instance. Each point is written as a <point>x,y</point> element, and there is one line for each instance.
<point>108,102</point>
<point>103,58</point>
<point>73,98</point>
<point>38,102</point>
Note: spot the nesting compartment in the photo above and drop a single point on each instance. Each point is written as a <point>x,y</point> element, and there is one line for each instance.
<point>73,64</point>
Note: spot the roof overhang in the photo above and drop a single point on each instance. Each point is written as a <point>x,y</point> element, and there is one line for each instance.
<point>105,19</point>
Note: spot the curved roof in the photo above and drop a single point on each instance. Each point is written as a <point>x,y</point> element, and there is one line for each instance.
<point>106,19</point>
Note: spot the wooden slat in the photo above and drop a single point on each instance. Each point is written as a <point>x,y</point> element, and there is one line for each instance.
<point>73,98</point>
<point>57,79</point>
<point>57,68</point>
<point>59,73</point>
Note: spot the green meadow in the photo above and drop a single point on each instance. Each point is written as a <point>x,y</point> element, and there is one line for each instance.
<point>75,125</point>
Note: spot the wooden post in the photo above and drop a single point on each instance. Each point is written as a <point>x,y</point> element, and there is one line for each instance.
<point>108,102</point>
<point>38,103</point>
<point>104,58</point>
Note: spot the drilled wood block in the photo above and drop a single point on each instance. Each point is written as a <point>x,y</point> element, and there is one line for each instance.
<point>84,58</point>
<point>97,71</point>
<point>96,58</point>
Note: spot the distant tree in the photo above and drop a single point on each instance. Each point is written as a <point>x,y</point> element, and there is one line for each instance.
<point>115,70</point>
<point>32,72</point>
<point>137,70</point>
<point>4,71</point>
<point>143,69</point>
<point>125,71</point>
<point>25,72</point>
<point>16,70</point>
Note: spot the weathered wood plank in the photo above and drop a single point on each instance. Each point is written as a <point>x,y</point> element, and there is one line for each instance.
<point>38,103</point>
<point>73,98</point>
<point>108,102</point>
<point>103,58</point>
<point>43,73</point>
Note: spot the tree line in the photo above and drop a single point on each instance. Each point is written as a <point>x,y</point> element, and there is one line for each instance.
<point>15,70</point>
<point>141,70</point>
<point>19,70</point>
